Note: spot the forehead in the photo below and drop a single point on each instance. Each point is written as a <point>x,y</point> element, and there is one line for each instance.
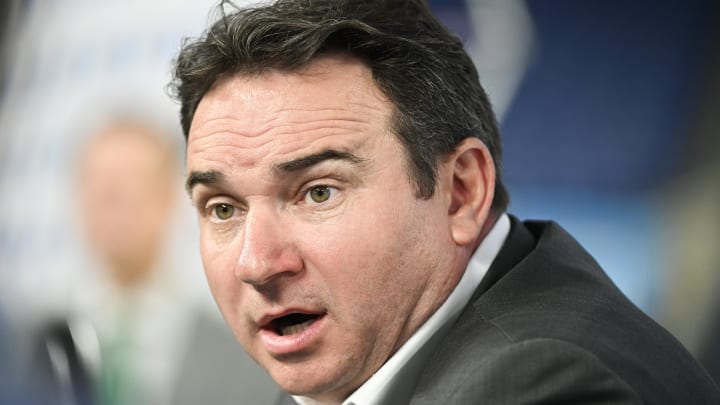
<point>332,99</point>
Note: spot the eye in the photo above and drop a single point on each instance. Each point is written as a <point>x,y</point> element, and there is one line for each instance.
<point>319,194</point>
<point>223,211</point>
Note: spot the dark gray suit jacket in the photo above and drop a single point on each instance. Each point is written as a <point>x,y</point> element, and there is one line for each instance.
<point>547,326</point>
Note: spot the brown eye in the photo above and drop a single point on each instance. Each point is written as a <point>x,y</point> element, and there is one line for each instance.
<point>320,194</point>
<point>224,211</point>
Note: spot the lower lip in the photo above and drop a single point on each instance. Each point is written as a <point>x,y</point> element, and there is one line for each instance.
<point>291,344</point>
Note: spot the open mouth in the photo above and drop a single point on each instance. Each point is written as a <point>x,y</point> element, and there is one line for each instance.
<point>291,324</point>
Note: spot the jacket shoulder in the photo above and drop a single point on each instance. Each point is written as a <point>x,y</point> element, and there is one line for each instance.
<point>527,372</point>
<point>549,295</point>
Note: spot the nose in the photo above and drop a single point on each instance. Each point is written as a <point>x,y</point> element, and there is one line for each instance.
<point>267,251</point>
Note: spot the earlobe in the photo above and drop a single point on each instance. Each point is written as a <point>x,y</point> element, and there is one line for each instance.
<point>471,190</point>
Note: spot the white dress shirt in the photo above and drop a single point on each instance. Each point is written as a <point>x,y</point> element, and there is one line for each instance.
<point>395,381</point>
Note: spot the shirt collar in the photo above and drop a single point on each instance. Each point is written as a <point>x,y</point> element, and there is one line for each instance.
<point>395,381</point>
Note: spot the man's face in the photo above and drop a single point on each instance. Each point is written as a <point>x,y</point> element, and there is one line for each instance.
<point>319,255</point>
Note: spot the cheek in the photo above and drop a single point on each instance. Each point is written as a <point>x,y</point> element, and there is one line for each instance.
<point>218,267</point>
<point>366,251</point>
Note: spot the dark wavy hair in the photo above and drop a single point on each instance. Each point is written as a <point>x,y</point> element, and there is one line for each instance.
<point>415,61</point>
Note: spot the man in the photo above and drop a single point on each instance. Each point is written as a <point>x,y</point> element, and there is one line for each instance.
<point>343,159</point>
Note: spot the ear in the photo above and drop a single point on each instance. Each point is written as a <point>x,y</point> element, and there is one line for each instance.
<point>471,190</point>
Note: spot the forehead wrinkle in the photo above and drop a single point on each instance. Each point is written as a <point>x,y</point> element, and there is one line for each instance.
<point>224,124</point>
<point>317,128</point>
<point>348,110</point>
<point>327,118</point>
<point>221,141</point>
<point>336,112</point>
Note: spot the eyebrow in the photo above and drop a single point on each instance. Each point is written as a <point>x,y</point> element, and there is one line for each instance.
<point>309,161</point>
<point>206,177</point>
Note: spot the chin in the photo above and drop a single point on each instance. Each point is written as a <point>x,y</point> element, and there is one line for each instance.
<point>306,381</point>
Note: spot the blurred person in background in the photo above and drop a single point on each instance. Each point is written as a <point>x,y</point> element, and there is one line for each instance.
<point>127,189</point>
